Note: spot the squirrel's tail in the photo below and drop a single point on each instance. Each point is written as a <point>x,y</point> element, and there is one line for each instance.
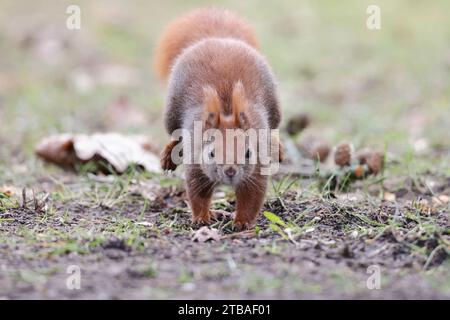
<point>195,26</point>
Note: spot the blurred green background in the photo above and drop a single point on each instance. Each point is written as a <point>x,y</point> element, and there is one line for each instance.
<point>387,88</point>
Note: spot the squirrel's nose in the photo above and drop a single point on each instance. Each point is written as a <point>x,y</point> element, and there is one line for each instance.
<point>230,172</point>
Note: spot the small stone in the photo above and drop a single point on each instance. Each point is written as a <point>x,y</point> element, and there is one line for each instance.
<point>389,196</point>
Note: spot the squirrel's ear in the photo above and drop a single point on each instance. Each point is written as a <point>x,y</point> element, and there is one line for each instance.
<point>211,114</point>
<point>239,103</point>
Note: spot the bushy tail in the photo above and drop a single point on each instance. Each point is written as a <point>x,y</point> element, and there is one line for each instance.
<point>195,26</point>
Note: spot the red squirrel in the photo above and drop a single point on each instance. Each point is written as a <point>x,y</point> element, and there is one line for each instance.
<point>216,76</point>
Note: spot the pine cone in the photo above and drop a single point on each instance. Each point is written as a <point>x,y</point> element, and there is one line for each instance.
<point>343,154</point>
<point>373,159</point>
<point>320,151</point>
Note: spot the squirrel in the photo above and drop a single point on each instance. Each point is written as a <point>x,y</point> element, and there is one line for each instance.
<point>215,75</point>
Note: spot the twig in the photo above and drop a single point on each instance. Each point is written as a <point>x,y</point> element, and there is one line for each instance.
<point>24,198</point>
<point>246,233</point>
<point>431,256</point>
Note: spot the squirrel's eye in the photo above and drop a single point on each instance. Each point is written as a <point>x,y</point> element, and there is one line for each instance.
<point>248,154</point>
<point>211,154</point>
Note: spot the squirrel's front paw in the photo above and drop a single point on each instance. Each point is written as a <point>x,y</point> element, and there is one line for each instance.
<point>211,215</point>
<point>241,224</point>
<point>204,219</point>
<point>220,214</point>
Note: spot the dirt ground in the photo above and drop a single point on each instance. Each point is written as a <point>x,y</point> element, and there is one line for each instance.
<point>140,249</point>
<point>129,236</point>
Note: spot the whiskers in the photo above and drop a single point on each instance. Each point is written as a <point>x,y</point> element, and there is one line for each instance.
<point>203,185</point>
<point>252,181</point>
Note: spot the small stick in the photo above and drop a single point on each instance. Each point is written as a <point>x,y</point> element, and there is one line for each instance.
<point>249,233</point>
<point>24,198</point>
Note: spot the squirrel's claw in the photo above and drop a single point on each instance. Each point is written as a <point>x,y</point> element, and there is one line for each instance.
<point>242,225</point>
<point>212,215</point>
<point>220,214</point>
<point>201,220</point>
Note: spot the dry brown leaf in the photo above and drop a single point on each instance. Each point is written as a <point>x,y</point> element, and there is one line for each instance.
<point>120,151</point>
<point>57,149</point>
<point>206,234</point>
<point>9,191</point>
<point>440,200</point>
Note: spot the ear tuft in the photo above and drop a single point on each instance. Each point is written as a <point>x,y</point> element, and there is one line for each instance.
<point>239,103</point>
<point>211,114</point>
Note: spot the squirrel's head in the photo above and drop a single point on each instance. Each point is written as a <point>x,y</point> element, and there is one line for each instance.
<point>229,153</point>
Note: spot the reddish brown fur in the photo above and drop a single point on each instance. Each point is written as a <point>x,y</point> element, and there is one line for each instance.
<point>220,64</point>
<point>194,26</point>
<point>166,156</point>
<point>218,77</point>
<point>213,115</point>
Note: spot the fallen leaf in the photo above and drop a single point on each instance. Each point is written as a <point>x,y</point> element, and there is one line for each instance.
<point>9,191</point>
<point>58,149</point>
<point>206,234</point>
<point>120,151</point>
<point>440,200</point>
<point>389,196</point>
